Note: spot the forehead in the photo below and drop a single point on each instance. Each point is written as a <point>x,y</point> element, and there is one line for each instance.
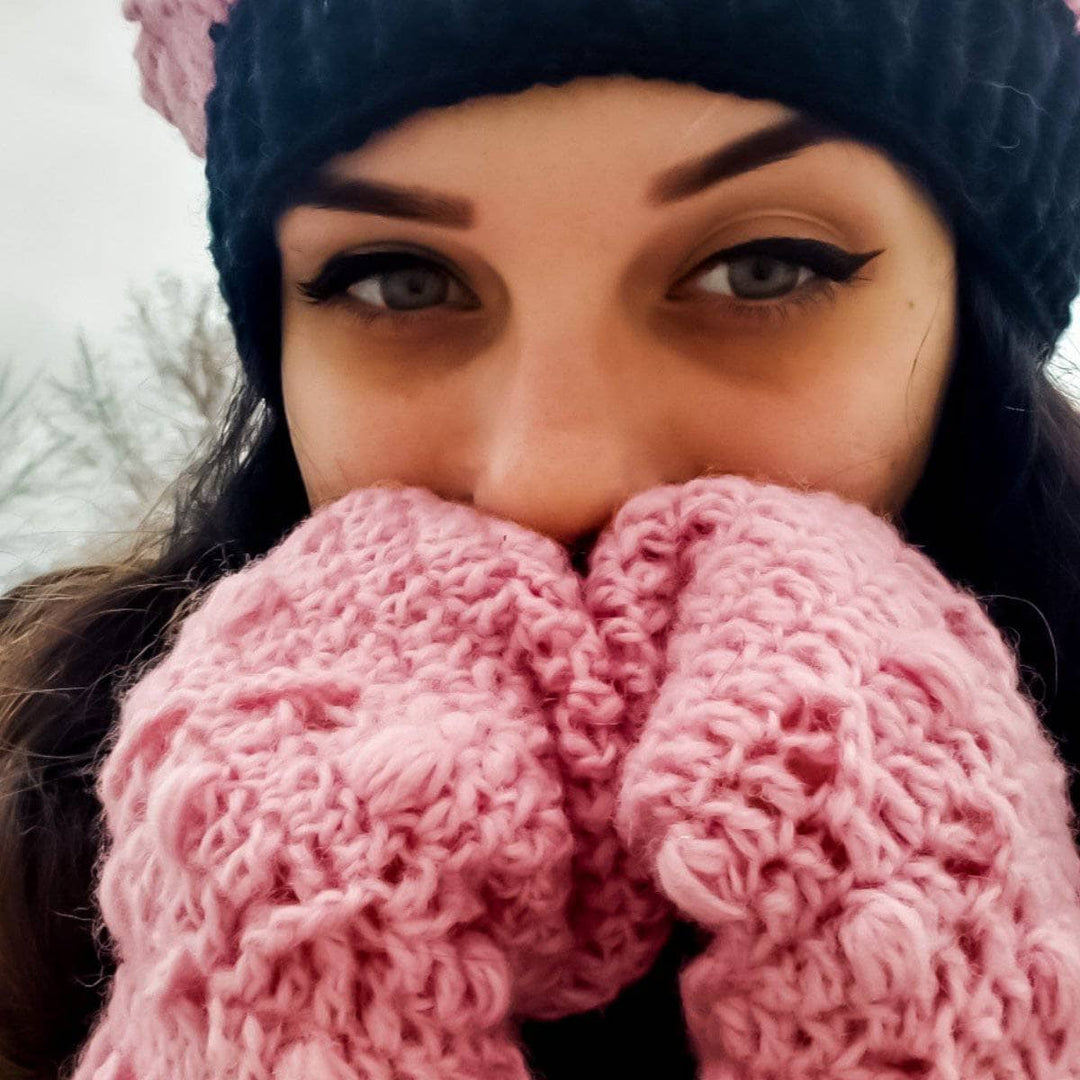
<point>655,117</point>
<point>609,137</point>
<point>612,149</point>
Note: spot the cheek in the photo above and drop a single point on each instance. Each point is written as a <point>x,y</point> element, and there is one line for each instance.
<point>879,419</point>
<point>346,435</point>
<point>854,417</point>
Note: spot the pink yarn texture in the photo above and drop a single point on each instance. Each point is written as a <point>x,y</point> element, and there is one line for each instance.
<point>176,58</point>
<point>408,779</point>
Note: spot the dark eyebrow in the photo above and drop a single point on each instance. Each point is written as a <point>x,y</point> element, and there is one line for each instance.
<point>774,143</point>
<point>778,142</point>
<point>325,192</point>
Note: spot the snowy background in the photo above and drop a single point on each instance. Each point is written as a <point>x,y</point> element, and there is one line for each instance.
<point>105,256</point>
<point>103,201</point>
<point>99,190</point>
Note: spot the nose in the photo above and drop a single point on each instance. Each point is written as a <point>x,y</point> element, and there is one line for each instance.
<point>564,441</point>
<point>563,483</point>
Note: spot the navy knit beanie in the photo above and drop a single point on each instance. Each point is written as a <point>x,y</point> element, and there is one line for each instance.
<point>978,99</point>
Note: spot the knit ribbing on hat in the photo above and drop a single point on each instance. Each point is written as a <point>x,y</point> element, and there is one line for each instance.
<point>979,99</point>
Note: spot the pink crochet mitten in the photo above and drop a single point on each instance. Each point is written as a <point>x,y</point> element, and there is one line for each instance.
<point>361,813</point>
<point>837,777</point>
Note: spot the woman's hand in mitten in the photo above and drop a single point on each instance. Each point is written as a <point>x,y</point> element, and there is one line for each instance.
<point>837,776</point>
<point>340,845</point>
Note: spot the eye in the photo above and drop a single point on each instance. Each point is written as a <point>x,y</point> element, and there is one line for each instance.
<point>378,283</point>
<point>776,267</point>
<point>757,277</point>
<point>760,278</point>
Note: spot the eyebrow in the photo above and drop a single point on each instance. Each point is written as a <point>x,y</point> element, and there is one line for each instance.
<point>778,142</point>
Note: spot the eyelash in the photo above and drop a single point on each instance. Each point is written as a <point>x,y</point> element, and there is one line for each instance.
<point>833,266</point>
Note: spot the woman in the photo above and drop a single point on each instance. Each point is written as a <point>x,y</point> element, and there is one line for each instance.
<point>544,261</point>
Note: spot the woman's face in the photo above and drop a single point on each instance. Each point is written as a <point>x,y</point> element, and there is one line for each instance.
<point>541,304</point>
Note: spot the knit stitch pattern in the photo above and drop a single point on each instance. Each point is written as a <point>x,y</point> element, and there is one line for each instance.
<point>175,56</point>
<point>408,779</point>
<point>978,99</point>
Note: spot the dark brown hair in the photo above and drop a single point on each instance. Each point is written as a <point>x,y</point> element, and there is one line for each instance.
<point>998,508</point>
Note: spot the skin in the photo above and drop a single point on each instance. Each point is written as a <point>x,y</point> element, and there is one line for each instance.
<point>563,371</point>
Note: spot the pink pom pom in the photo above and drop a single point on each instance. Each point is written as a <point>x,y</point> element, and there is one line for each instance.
<point>176,58</point>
